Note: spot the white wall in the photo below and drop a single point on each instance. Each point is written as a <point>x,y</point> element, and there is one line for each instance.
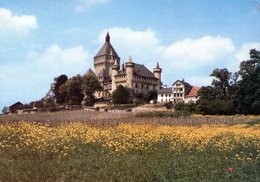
<point>166,97</point>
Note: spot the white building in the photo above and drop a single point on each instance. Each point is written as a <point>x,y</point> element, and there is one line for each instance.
<point>165,95</point>
<point>179,92</point>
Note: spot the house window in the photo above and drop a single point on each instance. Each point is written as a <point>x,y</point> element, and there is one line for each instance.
<point>136,85</point>
<point>170,95</point>
<point>181,89</point>
<point>166,95</point>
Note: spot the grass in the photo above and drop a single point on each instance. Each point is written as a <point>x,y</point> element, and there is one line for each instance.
<point>106,146</point>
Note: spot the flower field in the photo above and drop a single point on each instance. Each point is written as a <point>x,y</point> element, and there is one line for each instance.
<point>141,151</point>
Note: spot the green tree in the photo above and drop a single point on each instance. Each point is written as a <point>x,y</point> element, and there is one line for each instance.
<point>150,95</point>
<point>217,98</point>
<point>90,85</point>
<point>121,95</point>
<point>58,82</point>
<point>72,90</point>
<point>221,83</point>
<point>248,95</point>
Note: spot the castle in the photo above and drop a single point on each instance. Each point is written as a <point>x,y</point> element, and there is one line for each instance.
<point>132,75</point>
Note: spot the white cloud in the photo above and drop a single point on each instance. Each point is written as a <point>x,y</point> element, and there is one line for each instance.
<point>242,54</point>
<point>143,46</point>
<point>18,24</point>
<point>54,58</point>
<point>86,4</point>
<point>199,80</point>
<point>179,59</point>
<point>194,53</point>
<point>33,76</point>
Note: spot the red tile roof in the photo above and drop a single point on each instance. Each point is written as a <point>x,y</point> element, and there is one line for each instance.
<point>193,92</point>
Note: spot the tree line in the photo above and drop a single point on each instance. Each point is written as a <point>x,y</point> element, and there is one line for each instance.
<point>231,93</point>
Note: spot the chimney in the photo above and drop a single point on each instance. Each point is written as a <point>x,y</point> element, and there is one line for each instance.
<point>123,67</point>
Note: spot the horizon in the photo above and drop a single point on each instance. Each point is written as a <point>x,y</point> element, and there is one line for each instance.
<point>44,39</point>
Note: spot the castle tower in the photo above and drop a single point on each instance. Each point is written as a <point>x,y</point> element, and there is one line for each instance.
<point>106,57</point>
<point>157,73</point>
<point>115,70</point>
<point>129,73</point>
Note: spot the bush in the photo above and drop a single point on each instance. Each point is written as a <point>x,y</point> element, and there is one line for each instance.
<point>121,95</point>
<point>168,105</point>
<point>97,108</point>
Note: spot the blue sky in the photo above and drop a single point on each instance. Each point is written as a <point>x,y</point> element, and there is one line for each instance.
<point>42,39</point>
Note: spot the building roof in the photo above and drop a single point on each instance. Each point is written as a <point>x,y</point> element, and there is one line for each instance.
<point>107,49</point>
<point>90,72</point>
<point>165,90</point>
<point>16,104</point>
<point>141,70</point>
<point>103,73</point>
<point>193,92</point>
<point>183,82</point>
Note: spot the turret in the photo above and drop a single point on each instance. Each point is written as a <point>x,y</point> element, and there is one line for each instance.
<point>129,72</point>
<point>105,57</point>
<point>157,73</point>
<point>115,70</point>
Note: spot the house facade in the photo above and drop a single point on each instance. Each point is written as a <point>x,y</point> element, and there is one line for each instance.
<point>132,75</point>
<point>179,92</point>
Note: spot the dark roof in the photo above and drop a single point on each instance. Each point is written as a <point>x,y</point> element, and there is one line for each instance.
<point>193,92</point>
<point>103,73</point>
<point>107,49</point>
<point>184,83</point>
<point>141,70</point>
<point>16,104</point>
<point>165,90</point>
<point>90,72</point>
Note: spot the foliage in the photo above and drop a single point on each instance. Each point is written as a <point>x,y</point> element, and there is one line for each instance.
<point>168,105</point>
<point>248,94</point>
<point>216,107</point>
<point>233,93</point>
<point>186,108</point>
<point>217,98</point>
<point>55,88</point>
<point>128,152</point>
<point>90,85</point>
<point>72,90</point>
<point>121,95</point>
<point>150,95</point>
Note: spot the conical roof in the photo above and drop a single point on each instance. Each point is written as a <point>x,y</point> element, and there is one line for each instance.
<point>107,49</point>
<point>90,72</point>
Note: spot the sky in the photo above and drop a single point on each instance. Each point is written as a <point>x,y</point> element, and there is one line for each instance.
<point>42,39</point>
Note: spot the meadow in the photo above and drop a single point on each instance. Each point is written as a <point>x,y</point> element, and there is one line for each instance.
<point>121,146</point>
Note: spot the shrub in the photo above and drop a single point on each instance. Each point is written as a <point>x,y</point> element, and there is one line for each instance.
<point>168,105</point>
